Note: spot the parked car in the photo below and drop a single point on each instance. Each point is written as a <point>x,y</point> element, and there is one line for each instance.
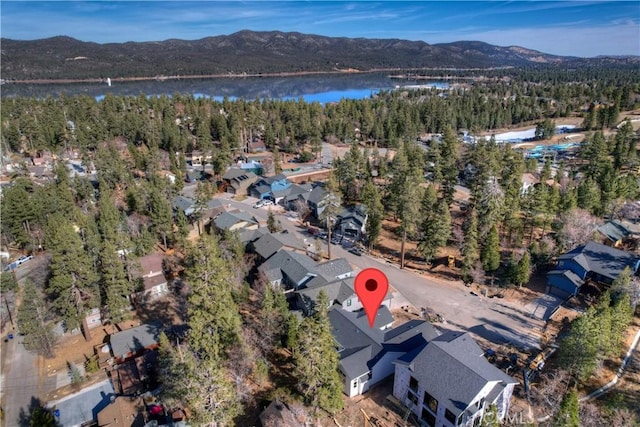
<point>259,204</point>
<point>356,251</point>
<point>267,202</point>
<point>335,240</point>
<point>15,264</point>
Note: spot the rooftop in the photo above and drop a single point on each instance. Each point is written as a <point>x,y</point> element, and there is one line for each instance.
<point>601,259</point>
<point>452,368</point>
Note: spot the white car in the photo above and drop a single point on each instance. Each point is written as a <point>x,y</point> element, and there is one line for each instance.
<point>259,204</point>
<point>267,202</point>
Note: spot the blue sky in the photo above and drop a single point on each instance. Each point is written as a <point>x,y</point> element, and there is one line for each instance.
<point>579,28</point>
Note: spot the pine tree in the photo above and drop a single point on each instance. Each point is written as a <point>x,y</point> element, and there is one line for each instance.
<point>116,287</point>
<point>161,214</point>
<point>332,205</point>
<point>375,211</point>
<point>316,360</point>
<point>42,417</point>
<point>490,254</point>
<point>74,279</point>
<point>200,383</point>
<point>522,271</point>
<point>32,322</point>
<point>408,206</point>
<point>435,227</point>
<point>272,226</point>
<point>579,349</point>
<point>213,314</point>
<point>569,414</point>
<point>470,251</point>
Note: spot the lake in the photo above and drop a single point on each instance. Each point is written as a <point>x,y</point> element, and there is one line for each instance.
<point>323,88</point>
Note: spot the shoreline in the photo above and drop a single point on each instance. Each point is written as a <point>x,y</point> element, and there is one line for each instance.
<point>187,77</point>
<point>242,75</point>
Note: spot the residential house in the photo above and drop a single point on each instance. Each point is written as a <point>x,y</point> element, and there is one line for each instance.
<point>238,181</point>
<point>153,278</point>
<point>449,383</point>
<point>317,200</point>
<point>270,243</point>
<point>194,175</point>
<point>238,220</point>
<point>44,158</point>
<point>122,411</point>
<point>528,180</point>
<point>273,187</point>
<point>351,222</point>
<point>252,166</point>
<point>250,236</point>
<point>338,268</point>
<point>340,292</point>
<point>133,342</point>
<point>367,354</point>
<point>197,158</point>
<point>135,375</point>
<point>185,204</point>
<point>593,261</point>
<point>288,269</point>
<point>297,192</point>
<point>256,146</point>
<point>615,232</point>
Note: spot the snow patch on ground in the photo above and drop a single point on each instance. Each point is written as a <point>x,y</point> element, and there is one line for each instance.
<point>519,136</point>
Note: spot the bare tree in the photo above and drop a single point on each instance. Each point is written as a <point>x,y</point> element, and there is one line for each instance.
<point>577,227</point>
<point>591,415</point>
<point>547,395</point>
<point>302,208</point>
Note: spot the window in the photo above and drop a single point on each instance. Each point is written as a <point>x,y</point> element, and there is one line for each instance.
<point>413,384</point>
<point>430,402</point>
<point>450,416</point>
<point>349,302</point>
<point>355,384</point>
<point>428,417</point>
<point>413,398</point>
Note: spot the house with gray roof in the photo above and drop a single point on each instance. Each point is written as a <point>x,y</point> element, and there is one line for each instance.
<point>340,292</point>
<point>317,200</point>
<point>133,342</point>
<point>338,268</point>
<point>238,180</point>
<point>449,382</point>
<point>615,232</point>
<point>267,245</point>
<point>273,187</point>
<point>185,204</point>
<point>352,221</point>
<point>236,221</point>
<point>367,354</point>
<point>288,269</point>
<point>593,261</point>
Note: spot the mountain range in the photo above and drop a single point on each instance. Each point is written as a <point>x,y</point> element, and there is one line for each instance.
<point>258,52</point>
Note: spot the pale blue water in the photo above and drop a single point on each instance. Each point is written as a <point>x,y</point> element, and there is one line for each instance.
<point>321,97</point>
<point>320,88</point>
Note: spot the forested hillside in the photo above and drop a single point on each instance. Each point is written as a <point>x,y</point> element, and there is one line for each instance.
<point>258,52</point>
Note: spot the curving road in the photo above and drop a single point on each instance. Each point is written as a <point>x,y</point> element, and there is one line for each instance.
<point>494,319</point>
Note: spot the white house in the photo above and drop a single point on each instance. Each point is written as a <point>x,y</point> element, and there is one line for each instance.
<point>450,383</point>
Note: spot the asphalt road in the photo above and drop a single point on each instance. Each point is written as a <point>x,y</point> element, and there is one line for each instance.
<point>494,319</point>
<point>20,381</point>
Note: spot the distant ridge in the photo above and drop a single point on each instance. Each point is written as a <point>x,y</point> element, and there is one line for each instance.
<point>256,52</point>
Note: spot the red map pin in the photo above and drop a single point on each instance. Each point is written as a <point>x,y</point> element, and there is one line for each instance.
<point>371,286</point>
